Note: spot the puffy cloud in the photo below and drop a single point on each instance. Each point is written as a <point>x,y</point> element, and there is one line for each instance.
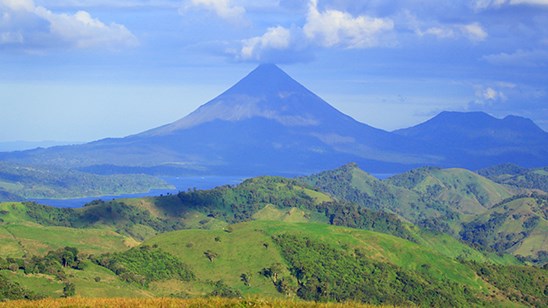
<point>222,8</point>
<point>27,26</point>
<point>338,28</point>
<point>274,38</point>
<point>277,45</point>
<point>329,28</point>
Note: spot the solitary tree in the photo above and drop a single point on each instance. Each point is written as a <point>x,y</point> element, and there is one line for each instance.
<point>246,278</point>
<point>211,255</point>
<point>69,289</point>
<point>272,272</point>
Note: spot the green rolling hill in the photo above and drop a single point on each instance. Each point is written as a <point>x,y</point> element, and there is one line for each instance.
<point>437,199</point>
<point>277,259</point>
<point>304,239</point>
<point>517,225</point>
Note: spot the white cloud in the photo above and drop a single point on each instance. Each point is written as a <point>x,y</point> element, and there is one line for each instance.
<point>327,29</point>
<point>338,28</point>
<point>274,38</point>
<point>222,8</point>
<point>486,95</point>
<point>33,27</point>
<point>472,31</point>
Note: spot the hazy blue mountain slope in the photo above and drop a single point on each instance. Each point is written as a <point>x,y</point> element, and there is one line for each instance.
<point>476,139</point>
<point>268,123</point>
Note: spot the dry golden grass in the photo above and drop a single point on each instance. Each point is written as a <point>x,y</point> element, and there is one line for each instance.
<point>170,302</point>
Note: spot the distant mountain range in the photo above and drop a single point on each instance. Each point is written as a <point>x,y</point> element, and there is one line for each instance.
<point>268,123</point>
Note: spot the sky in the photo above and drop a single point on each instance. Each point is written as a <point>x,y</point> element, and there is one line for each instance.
<point>82,70</point>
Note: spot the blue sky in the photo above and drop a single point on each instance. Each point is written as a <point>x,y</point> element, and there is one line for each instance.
<point>81,70</point>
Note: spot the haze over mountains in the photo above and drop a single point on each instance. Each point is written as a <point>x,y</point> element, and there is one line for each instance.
<point>268,123</point>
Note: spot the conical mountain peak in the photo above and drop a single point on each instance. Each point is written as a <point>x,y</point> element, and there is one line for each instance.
<point>266,79</point>
<point>267,92</point>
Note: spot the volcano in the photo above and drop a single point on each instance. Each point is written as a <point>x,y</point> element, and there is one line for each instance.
<point>267,123</point>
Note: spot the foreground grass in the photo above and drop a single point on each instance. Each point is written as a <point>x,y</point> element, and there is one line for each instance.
<point>171,302</point>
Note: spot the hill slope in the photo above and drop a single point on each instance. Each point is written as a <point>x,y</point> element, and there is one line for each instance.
<point>438,199</point>
<point>255,198</point>
<point>276,259</point>
<point>517,225</point>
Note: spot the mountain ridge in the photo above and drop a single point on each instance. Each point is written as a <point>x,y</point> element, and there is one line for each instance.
<point>268,123</point>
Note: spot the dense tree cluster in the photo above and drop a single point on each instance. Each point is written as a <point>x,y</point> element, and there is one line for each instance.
<point>524,284</point>
<point>220,289</point>
<point>10,290</point>
<point>53,263</point>
<point>145,264</point>
<point>328,273</point>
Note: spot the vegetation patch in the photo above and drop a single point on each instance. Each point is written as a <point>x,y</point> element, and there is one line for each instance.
<point>145,264</point>
<point>328,273</point>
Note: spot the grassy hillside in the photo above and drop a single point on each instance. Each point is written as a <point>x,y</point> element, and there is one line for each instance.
<point>19,181</point>
<point>352,184</point>
<point>266,253</point>
<point>142,218</point>
<point>20,235</point>
<point>517,225</point>
<point>251,259</point>
<point>466,192</point>
<point>437,199</point>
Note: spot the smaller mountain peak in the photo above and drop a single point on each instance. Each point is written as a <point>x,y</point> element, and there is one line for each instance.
<point>463,115</point>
